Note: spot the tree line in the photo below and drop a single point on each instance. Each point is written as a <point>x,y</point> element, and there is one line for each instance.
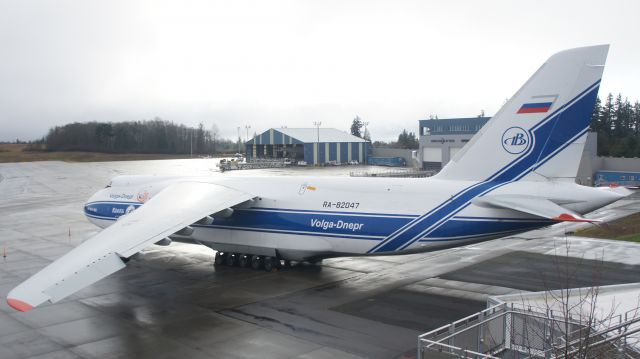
<point>150,136</point>
<point>617,123</point>
<point>405,139</point>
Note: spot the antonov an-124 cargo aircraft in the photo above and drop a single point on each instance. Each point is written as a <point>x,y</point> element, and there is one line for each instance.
<point>516,174</point>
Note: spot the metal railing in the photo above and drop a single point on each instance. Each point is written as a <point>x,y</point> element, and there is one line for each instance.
<point>525,332</point>
<point>393,173</point>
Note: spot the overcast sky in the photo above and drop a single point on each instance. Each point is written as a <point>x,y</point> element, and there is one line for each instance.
<point>290,63</point>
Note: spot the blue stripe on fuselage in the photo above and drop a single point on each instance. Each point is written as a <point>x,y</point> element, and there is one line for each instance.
<point>374,226</point>
<point>559,129</point>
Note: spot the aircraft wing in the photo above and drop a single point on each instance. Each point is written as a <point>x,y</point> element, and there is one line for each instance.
<point>172,209</point>
<point>536,206</point>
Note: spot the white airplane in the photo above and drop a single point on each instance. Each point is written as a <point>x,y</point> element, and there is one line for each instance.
<point>516,174</point>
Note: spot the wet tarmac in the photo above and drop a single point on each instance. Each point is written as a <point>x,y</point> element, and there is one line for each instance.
<point>172,302</point>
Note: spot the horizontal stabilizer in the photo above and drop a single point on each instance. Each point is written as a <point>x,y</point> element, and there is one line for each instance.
<point>536,206</point>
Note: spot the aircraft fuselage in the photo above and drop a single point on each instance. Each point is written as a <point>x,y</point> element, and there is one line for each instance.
<point>301,218</point>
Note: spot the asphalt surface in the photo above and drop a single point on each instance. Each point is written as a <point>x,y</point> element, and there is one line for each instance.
<point>538,272</point>
<point>172,302</point>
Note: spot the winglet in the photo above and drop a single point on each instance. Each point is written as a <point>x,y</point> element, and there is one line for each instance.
<point>566,217</point>
<point>19,305</point>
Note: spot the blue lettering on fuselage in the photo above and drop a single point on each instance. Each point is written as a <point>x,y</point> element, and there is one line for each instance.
<point>109,210</point>
<point>340,224</point>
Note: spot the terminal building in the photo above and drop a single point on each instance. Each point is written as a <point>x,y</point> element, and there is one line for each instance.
<point>440,140</point>
<point>315,146</point>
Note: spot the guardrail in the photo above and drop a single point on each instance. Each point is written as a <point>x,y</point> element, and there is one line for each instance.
<point>396,173</point>
<point>525,332</point>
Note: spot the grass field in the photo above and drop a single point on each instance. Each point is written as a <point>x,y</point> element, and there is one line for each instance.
<point>19,153</point>
<point>624,229</point>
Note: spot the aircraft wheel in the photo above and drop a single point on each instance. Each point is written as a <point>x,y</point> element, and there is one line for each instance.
<point>270,264</point>
<point>256,262</point>
<point>232,259</point>
<point>220,258</point>
<point>244,261</point>
<point>287,264</point>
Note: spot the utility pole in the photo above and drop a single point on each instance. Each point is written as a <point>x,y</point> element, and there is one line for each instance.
<point>239,141</point>
<point>317,124</point>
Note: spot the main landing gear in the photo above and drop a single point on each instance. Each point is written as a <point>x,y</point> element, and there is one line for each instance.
<point>270,264</point>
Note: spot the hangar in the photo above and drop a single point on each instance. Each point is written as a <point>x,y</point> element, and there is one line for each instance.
<point>441,139</point>
<point>315,146</point>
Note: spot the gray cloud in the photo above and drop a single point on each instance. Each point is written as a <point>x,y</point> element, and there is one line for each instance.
<point>274,63</point>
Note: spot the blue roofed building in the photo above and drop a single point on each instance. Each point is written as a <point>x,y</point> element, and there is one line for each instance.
<point>312,145</point>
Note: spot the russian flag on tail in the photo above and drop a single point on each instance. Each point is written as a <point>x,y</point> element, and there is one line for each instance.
<point>537,107</point>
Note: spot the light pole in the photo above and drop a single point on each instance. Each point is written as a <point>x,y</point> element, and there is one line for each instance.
<point>247,127</point>
<point>365,130</point>
<point>317,124</point>
<point>239,141</point>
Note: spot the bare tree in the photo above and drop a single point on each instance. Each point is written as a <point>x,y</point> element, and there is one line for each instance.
<point>215,135</point>
<point>574,323</point>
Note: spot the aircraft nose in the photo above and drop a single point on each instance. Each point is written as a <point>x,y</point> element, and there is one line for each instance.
<point>98,196</point>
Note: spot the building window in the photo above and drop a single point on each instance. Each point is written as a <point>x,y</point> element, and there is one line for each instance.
<point>622,178</point>
<point>632,178</point>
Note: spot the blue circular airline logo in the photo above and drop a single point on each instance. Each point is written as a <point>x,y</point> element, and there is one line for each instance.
<point>515,140</point>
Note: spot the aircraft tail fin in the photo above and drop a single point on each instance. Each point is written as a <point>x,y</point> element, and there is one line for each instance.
<point>541,131</point>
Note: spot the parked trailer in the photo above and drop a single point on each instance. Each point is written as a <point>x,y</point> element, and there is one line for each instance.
<point>387,161</point>
<point>620,178</point>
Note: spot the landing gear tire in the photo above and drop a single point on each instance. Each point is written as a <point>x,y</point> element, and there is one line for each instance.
<point>220,258</point>
<point>244,261</point>
<point>271,264</point>
<point>287,264</point>
<point>256,262</point>
<point>232,259</point>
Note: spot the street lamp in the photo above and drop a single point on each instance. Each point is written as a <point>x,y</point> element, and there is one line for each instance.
<point>317,124</point>
<point>239,141</point>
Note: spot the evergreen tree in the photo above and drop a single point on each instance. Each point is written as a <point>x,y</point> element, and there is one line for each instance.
<point>607,115</point>
<point>407,140</point>
<point>617,121</point>
<point>596,118</point>
<point>636,118</point>
<point>356,127</point>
